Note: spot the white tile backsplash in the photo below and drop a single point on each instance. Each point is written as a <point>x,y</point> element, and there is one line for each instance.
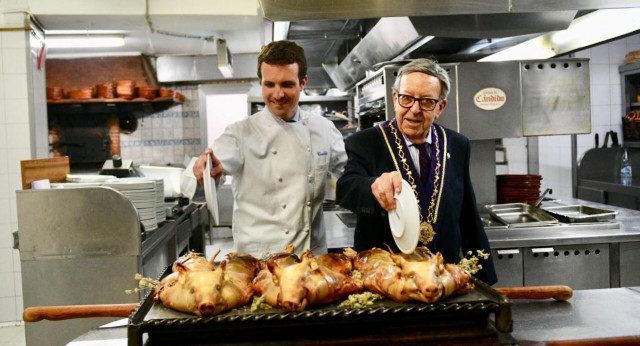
<point>8,309</point>
<point>600,54</point>
<point>6,232</point>
<point>13,39</point>
<point>3,119</point>
<point>4,185</point>
<point>599,74</point>
<point>600,95</point>
<point>16,111</point>
<point>15,86</point>
<point>18,136</point>
<point>16,258</point>
<point>17,281</point>
<point>14,61</point>
<point>15,155</point>
<point>7,285</point>
<point>6,260</point>
<point>600,115</point>
<point>617,51</point>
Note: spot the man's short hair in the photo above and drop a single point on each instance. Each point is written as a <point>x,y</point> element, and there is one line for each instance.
<point>283,53</point>
<point>429,67</point>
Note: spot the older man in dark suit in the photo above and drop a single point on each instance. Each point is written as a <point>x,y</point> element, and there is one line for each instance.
<point>432,159</point>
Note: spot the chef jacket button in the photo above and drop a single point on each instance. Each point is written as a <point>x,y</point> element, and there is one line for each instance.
<point>308,148</point>
<point>274,152</point>
<point>286,231</point>
<point>310,177</point>
<point>280,179</point>
<point>308,204</point>
<point>284,205</point>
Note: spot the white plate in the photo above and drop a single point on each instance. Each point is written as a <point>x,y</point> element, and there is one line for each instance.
<point>210,191</point>
<point>405,220</point>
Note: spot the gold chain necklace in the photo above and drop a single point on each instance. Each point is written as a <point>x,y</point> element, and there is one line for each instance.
<point>426,230</point>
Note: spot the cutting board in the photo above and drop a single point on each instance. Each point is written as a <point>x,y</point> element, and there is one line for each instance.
<point>55,169</point>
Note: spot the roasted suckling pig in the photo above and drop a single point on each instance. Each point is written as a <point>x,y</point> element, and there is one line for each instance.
<point>292,283</point>
<point>285,280</point>
<point>420,276</point>
<point>196,286</point>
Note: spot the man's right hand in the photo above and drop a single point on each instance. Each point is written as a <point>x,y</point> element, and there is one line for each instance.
<point>385,187</point>
<point>201,164</point>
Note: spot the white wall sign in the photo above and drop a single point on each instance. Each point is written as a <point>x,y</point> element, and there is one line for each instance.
<point>490,99</point>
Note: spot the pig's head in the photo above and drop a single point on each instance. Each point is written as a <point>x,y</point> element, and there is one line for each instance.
<point>290,279</point>
<point>203,289</point>
<point>421,278</point>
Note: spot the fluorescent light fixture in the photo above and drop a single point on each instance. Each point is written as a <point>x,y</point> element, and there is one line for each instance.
<point>225,60</point>
<point>280,31</point>
<point>590,29</point>
<point>85,41</point>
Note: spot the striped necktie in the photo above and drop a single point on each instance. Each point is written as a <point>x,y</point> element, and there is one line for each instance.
<point>425,162</point>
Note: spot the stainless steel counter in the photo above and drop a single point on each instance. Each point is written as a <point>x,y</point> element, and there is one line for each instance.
<point>589,314</point>
<point>624,228</point>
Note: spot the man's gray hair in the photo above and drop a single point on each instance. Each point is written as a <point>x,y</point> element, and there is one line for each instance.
<point>429,67</point>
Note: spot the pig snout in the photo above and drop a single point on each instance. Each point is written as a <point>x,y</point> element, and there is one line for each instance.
<point>207,308</point>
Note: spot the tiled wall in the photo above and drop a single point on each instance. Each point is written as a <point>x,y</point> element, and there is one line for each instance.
<point>15,145</point>
<point>606,114</point>
<point>167,136</point>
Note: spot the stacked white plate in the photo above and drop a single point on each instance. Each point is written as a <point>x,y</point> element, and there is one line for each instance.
<point>88,178</point>
<point>142,193</point>
<point>161,214</point>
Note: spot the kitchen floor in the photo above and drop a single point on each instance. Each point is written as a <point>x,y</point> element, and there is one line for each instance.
<point>12,335</point>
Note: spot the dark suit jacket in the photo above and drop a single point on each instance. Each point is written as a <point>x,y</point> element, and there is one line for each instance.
<point>460,226</point>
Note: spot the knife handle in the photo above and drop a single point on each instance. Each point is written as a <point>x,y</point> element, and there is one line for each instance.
<point>57,313</point>
<point>561,293</point>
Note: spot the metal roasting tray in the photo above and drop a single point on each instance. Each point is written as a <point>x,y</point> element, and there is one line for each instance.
<point>463,316</point>
<point>493,224</point>
<point>517,215</point>
<point>580,213</point>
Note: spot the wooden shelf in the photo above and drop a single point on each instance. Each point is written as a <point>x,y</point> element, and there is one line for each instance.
<point>116,100</point>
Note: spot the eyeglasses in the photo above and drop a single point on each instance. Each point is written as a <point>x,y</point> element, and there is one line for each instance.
<point>426,103</point>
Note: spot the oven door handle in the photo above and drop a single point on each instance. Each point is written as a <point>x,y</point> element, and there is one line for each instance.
<point>508,252</point>
<point>542,250</point>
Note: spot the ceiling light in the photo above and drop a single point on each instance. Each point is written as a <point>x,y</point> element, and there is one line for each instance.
<point>590,29</point>
<point>85,41</point>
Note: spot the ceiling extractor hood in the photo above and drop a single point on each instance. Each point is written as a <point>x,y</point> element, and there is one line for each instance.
<point>396,38</point>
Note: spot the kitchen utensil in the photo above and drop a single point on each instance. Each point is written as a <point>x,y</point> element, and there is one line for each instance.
<point>84,93</point>
<point>580,213</point>
<point>539,200</point>
<point>126,89</point>
<point>614,139</point>
<point>127,122</point>
<point>606,139</point>
<point>55,93</point>
<point>520,215</point>
<point>597,140</point>
<point>170,175</point>
<point>106,90</point>
<point>561,293</point>
<point>147,92</point>
<point>164,92</point>
<point>404,221</point>
<point>55,169</point>
<point>57,313</point>
<point>210,191</point>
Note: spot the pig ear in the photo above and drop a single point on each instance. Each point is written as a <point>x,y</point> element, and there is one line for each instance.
<point>398,260</point>
<point>289,249</point>
<point>350,253</point>
<point>214,256</point>
<point>274,269</point>
<point>313,264</point>
<point>182,273</point>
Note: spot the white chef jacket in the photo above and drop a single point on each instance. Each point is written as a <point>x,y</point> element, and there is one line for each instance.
<point>279,172</point>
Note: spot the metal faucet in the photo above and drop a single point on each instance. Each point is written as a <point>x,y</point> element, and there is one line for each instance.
<point>539,200</point>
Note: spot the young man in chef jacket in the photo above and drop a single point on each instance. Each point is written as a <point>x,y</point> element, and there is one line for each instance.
<point>279,159</point>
